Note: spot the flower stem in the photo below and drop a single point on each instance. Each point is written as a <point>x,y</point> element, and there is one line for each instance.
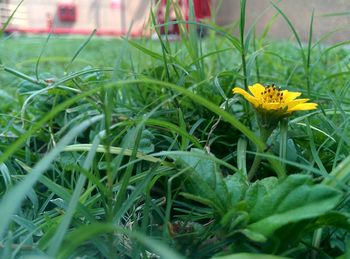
<point>255,165</point>
<point>264,135</point>
<point>283,141</point>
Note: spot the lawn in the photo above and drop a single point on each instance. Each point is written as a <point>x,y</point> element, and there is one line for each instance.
<point>138,148</point>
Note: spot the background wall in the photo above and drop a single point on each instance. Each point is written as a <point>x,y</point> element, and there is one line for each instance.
<point>298,11</point>
<point>99,14</point>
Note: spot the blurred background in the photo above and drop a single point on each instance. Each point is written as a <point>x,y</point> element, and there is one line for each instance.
<point>119,17</point>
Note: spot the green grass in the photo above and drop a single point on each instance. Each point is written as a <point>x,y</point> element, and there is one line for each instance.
<point>117,148</point>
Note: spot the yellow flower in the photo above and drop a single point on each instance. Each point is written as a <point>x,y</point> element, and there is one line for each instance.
<point>272,99</point>
<point>273,104</point>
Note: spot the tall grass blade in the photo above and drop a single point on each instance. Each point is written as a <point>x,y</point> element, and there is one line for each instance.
<point>81,48</point>
<point>4,26</point>
<point>12,200</point>
<point>242,20</point>
<point>40,55</point>
<point>61,231</point>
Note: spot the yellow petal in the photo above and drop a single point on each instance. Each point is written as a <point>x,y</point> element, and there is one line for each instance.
<point>289,96</point>
<point>238,90</point>
<point>303,107</point>
<point>296,102</point>
<point>256,90</point>
<point>246,95</point>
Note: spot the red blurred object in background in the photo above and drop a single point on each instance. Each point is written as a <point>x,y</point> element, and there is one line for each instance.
<point>201,11</point>
<point>67,12</point>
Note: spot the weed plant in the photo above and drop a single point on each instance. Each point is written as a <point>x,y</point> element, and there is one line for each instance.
<point>138,149</point>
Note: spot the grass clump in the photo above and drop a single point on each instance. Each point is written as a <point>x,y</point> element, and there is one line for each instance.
<point>137,148</point>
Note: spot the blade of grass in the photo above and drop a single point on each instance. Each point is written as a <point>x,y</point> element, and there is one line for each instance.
<point>40,55</point>
<point>4,26</point>
<point>12,200</point>
<point>242,19</point>
<point>59,191</point>
<point>165,51</point>
<point>314,152</point>
<point>340,175</point>
<point>308,61</point>
<point>150,83</point>
<point>126,178</point>
<point>297,37</point>
<point>80,49</point>
<point>56,241</point>
<point>241,156</point>
<point>87,232</point>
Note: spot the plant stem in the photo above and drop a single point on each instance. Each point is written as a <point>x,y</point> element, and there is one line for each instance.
<point>283,140</point>
<point>264,135</point>
<point>255,165</point>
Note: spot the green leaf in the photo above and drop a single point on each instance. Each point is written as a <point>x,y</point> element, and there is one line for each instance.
<point>204,191</point>
<point>205,179</point>
<point>208,202</point>
<point>146,146</point>
<point>293,199</point>
<point>259,189</point>
<point>332,219</point>
<point>254,236</point>
<point>195,159</point>
<point>237,186</point>
<point>250,256</point>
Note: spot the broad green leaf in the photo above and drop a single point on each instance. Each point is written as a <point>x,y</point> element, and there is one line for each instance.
<point>254,236</point>
<point>259,189</point>
<point>205,179</point>
<point>293,199</point>
<point>236,185</point>
<point>250,256</point>
<point>202,167</point>
<point>202,190</point>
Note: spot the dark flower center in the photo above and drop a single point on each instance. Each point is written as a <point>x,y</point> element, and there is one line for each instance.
<point>271,94</point>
